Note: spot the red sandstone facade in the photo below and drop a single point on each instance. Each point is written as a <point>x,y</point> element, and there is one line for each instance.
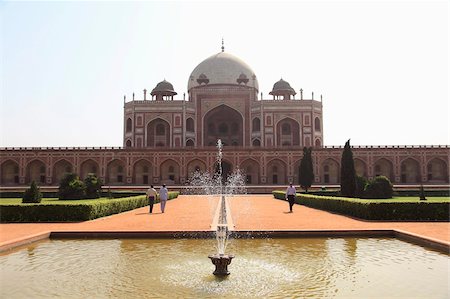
<point>166,140</point>
<point>118,166</point>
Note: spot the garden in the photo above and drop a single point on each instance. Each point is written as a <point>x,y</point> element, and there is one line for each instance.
<point>77,201</point>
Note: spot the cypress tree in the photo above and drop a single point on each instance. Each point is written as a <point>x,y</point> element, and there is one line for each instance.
<point>306,175</point>
<point>348,173</point>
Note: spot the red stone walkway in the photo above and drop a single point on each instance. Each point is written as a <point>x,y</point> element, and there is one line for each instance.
<point>195,213</point>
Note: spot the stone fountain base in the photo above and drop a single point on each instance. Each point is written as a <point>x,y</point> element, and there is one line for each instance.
<point>221,261</point>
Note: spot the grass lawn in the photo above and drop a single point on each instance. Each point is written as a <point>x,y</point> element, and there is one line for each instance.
<point>56,201</point>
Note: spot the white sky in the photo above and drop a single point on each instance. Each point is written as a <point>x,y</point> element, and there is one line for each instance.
<point>382,67</point>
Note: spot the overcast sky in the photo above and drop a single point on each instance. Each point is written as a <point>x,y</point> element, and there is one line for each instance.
<point>382,67</point>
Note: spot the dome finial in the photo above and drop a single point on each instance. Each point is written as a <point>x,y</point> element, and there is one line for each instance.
<point>223,47</point>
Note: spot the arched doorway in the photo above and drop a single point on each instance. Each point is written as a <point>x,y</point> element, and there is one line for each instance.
<point>195,166</point>
<point>158,133</point>
<point>60,169</point>
<point>288,132</point>
<point>276,172</point>
<point>115,172</point>
<point>360,167</point>
<point>383,167</point>
<point>330,172</point>
<point>250,168</point>
<point>410,171</point>
<point>36,172</point>
<point>169,172</point>
<point>9,173</point>
<point>223,123</point>
<point>87,167</point>
<point>142,172</point>
<point>227,169</point>
<point>437,171</point>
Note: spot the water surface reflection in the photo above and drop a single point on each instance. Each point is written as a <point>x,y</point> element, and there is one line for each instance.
<point>271,268</point>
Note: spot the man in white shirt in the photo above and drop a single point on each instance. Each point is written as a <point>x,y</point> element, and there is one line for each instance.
<point>290,196</point>
<point>163,196</point>
<point>151,195</point>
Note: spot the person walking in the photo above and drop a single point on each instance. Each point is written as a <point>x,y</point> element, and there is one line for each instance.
<point>163,196</point>
<point>290,196</point>
<point>151,196</point>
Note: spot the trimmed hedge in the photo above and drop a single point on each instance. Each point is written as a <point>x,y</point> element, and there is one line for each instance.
<point>376,209</point>
<point>71,212</point>
<point>104,193</point>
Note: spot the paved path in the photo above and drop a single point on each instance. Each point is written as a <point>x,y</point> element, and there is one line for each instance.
<point>195,213</point>
<point>263,212</point>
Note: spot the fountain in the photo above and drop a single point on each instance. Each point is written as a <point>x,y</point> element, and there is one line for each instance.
<point>221,260</point>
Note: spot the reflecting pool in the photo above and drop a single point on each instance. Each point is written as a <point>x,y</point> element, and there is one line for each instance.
<point>180,268</point>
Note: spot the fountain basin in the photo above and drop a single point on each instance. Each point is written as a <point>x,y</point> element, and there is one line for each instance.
<point>276,268</point>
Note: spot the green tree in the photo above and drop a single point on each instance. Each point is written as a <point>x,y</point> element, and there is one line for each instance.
<point>32,194</point>
<point>348,174</point>
<point>71,187</point>
<point>306,175</point>
<point>379,187</point>
<point>93,186</point>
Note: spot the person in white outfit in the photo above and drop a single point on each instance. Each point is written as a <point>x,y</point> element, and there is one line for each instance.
<point>163,196</point>
<point>151,196</point>
<point>290,196</point>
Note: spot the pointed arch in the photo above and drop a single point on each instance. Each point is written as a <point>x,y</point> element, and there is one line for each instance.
<point>410,171</point>
<point>169,172</point>
<point>195,165</point>
<point>256,125</point>
<point>330,171</point>
<point>129,125</point>
<point>276,171</point>
<point>317,126</point>
<point>256,142</point>
<point>437,171</point>
<point>225,123</point>
<point>60,168</point>
<point>360,167</point>
<point>142,172</point>
<point>190,142</point>
<point>288,132</point>
<point>158,133</point>
<point>9,173</point>
<point>190,124</point>
<point>36,171</point>
<point>250,168</point>
<point>384,167</point>
<point>227,168</point>
<point>89,166</point>
<point>115,172</point>
<point>318,143</point>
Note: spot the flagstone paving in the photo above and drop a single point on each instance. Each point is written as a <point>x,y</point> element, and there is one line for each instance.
<point>195,213</point>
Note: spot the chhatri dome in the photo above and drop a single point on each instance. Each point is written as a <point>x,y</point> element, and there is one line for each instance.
<point>222,68</point>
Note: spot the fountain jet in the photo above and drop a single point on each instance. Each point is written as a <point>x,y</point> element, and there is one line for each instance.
<point>221,260</point>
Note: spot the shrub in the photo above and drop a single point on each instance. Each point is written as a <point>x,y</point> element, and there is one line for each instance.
<point>71,187</point>
<point>379,187</point>
<point>32,194</point>
<point>66,212</point>
<point>93,186</point>
<point>376,209</point>
<point>361,184</point>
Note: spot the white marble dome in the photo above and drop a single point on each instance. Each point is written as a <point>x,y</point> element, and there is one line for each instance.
<point>222,68</point>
